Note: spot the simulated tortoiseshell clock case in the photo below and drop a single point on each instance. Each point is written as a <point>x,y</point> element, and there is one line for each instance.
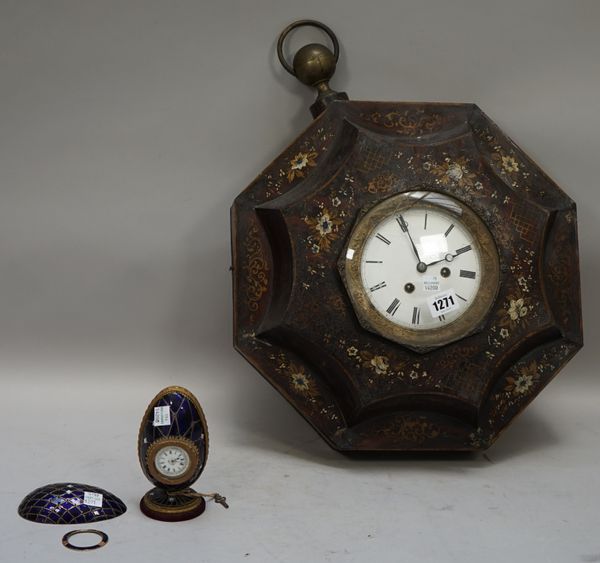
<point>294,321</point>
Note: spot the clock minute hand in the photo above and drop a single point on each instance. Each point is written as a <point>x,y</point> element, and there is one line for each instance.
<point>421,266</point>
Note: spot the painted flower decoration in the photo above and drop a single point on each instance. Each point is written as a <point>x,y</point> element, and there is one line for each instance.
<point>352,351</point>
<point>382,183</point>
<point>326,225</point>
<point>454,172</point>
<point>416,430</point>
<point>479,439</point>
<point>299,379</point>
<point>523,383</point>
<point>380,364</point>
<point>523,284</point>
<point>299,163</point>
<point>517,309</point>
<point>509,164</point>
<point>524,380</point>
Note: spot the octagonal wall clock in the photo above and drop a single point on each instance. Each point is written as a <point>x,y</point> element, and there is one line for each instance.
<point>404,274</point>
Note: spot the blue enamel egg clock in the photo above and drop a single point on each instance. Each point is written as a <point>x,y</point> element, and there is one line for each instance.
<point>172,449</point>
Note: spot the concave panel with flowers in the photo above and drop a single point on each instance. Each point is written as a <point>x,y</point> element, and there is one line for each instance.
<point>296,325</point>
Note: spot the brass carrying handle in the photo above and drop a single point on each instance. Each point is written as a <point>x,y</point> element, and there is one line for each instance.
<point>303,23</point>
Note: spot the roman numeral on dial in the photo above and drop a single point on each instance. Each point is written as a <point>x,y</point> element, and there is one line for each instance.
<point>380,285</point>
<point>448,230</point>
<point>464,249</point>
<point>382,238</point>
<point>416,316</point>
<point>467,274</point>
<point>391,310</point>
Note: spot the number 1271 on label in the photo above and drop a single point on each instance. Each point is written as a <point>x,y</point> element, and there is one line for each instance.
<point>443,303</point>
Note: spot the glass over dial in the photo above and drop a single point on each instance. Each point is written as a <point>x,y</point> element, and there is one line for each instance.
<point>421,267</point>
<point>172,461</point>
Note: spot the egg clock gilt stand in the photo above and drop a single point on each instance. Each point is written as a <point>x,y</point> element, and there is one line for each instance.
<point>404,275</point>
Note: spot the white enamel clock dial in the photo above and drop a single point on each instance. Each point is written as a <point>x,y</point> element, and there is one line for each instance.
<point>421,268</point>
<point>172,461</point>
<point>430,284</point>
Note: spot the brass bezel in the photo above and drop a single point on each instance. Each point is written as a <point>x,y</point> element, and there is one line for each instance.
<point>180,442</point>
<point>66,540</point>
<point>426,339</point>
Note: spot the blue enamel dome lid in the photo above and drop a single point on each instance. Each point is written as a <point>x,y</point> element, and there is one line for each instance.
<point>70,503</point>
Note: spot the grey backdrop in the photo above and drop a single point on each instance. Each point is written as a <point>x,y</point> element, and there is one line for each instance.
<point>126,130</point>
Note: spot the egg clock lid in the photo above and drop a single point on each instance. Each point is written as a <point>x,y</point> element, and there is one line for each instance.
<point>70,503</point>
<point>403,273</point>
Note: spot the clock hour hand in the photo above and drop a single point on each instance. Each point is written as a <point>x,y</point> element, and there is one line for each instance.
<point>421,266</point>
<point>449,257</point>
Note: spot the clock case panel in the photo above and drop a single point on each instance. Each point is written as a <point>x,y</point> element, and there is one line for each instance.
<point>294,322</point>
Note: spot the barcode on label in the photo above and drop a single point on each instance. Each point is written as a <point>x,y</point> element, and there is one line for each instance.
<point>92,499</point>
<point>443,303</point>
<point>162,416</point>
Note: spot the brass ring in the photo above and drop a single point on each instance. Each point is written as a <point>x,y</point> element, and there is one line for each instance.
<point>302,23</point>
<point>103,540</point>
<point>180,442</point>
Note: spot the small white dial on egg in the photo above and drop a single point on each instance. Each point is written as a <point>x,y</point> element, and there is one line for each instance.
<point>172,461</point>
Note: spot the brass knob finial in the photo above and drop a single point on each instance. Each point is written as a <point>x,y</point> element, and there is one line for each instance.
<point>313,65</point>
